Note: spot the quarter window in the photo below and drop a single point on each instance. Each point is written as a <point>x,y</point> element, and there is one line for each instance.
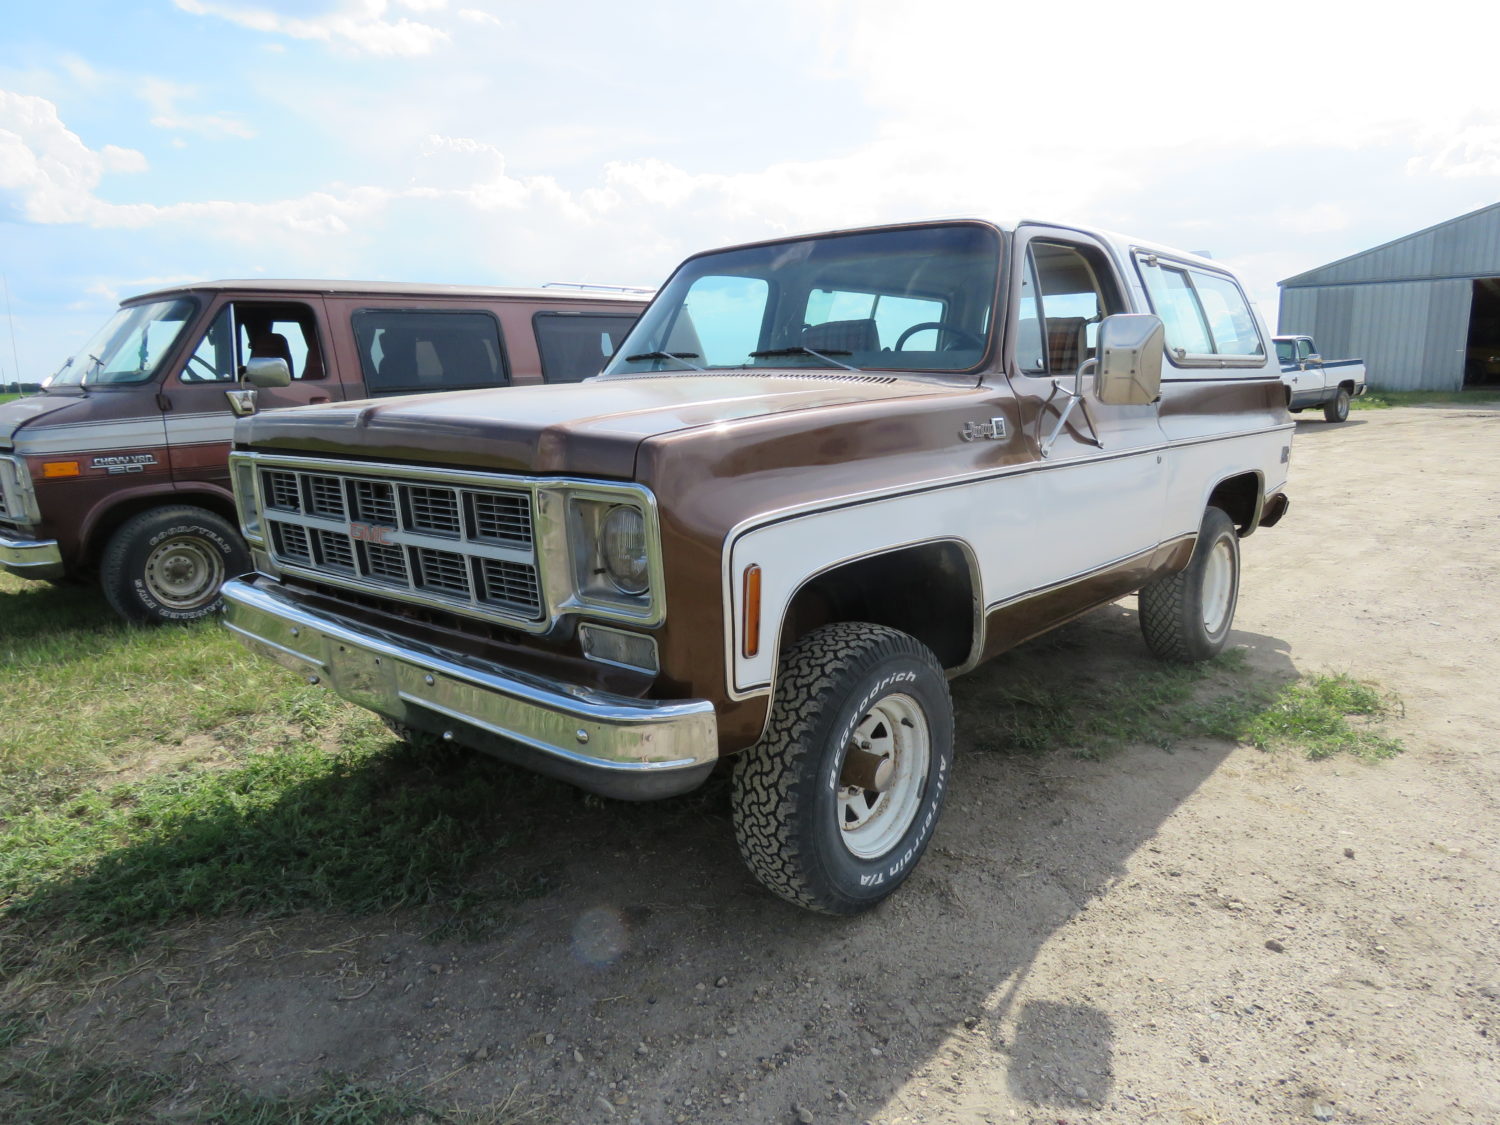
<point>1205,314</point>
<point>406,351</point>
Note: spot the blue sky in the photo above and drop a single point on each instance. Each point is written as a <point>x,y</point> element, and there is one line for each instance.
<point>144,142</point>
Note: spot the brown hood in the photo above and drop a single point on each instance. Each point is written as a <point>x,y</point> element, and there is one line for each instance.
<point>19,412</point>
<point>584,429</point>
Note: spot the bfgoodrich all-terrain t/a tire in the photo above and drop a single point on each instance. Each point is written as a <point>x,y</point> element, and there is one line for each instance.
<point>1186,616</point>
<point>837,801</point>
<point>167,565</point>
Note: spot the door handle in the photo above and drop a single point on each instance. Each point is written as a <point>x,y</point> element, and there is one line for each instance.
<point>317,399</point>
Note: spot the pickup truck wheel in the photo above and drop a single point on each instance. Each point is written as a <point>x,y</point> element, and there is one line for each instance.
<point>837,801</point>
<point>167,565</point>
<point>1186,616</point>
<point>1337,409</point>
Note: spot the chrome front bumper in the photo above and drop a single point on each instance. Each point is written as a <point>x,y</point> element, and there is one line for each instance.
<point>615,745</point>
<point>30,558</point>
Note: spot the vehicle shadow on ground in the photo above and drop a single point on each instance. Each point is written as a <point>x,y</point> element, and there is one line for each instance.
<point>656,981</point>
<point>1317,427</point>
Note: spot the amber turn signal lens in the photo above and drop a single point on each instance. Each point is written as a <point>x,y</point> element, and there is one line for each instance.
<point>61,469</point>
<point>752,611</point>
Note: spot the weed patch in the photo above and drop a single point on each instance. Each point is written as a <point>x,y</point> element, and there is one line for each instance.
<point>1166,704</point>
<point>62,1087</point>
<point>1384,400</point>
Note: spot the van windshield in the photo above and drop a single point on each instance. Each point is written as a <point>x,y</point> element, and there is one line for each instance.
<point>912,299</point>
<point>128,349</point>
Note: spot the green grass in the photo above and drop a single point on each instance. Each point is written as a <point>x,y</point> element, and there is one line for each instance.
<point>1158,704</point>
<point>62,1086</point>
<point>7,398</point>
<point>246,792</point>
<point>1382,400</point>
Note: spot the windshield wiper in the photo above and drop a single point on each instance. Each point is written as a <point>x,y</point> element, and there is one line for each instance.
<point>680,357</point>
<point>803,349</point>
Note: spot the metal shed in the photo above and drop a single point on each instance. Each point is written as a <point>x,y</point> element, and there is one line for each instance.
<point>1423,311</point>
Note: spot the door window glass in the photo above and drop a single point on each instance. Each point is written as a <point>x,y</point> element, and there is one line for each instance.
<point>213,361</point>
<point>282,331</point>
<point>1070,298</point>
<point>408,351</point>
<point>575,347</point>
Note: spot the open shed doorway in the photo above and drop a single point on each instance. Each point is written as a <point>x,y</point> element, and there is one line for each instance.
<point>1482,359</point>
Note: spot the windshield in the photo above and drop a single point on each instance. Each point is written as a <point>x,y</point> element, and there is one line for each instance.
<point>129,348</point>
<point>918,299</point>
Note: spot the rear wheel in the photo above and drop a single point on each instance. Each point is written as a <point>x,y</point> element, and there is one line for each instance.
<point>836,803</point>
<point>167,565</point>
<point>1336,409</point>
<point>1186,616</point>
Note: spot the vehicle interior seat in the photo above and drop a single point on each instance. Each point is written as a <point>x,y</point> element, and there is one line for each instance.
<point>271,345</point>
<point>843,336</point>
<point>1067,343</point>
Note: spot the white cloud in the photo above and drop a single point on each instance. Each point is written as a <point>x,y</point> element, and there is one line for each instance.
<point>163,96</point>
<point>51,171</point>
<point>358,25</point>
<point>475,15</point>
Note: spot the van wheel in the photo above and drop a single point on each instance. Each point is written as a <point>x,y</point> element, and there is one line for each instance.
<point>1337,410</point>
<point>167,565</point>
<point>837,801</point>
<point>1186,616</point>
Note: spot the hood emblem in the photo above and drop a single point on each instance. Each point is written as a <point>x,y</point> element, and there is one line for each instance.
<point>992,430</point>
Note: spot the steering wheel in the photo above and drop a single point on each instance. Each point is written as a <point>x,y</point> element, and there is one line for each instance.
<point>974,338</point>
<point>189,376</point>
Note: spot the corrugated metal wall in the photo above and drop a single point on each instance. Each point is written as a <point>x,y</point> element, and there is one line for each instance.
<point>1411,335</point>
<point>1402,307</point>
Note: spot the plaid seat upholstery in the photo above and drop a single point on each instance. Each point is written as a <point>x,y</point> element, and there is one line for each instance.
<point>1065,343</point>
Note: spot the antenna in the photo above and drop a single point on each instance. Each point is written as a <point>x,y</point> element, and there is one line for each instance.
<point>15,357</point>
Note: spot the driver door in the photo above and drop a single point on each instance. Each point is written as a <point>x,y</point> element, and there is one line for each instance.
<point>200,399</point>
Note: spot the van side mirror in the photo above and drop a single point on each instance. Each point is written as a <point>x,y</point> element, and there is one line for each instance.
<point>1130,351</point>
<point>266,371</point>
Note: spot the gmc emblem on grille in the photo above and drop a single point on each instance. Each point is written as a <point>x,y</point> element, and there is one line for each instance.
<point>371,533</point>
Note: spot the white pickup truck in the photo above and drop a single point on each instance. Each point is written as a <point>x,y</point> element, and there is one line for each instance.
<point>1313,381</point>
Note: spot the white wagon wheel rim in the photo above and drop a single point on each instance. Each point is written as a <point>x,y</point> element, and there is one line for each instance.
<point>873,823</point>
<point>1218,586</point>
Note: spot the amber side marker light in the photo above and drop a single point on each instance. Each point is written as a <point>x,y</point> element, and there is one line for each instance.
<point>61,469</point>
<point>752,610</point>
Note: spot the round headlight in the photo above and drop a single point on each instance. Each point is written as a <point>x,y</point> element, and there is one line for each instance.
<point>623,545</point>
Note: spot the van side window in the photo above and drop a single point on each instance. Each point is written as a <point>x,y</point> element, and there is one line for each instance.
<point>1205,314</point>
<point>252,330</point>
<point>1071,294</point>
<point>404,351</point>
<point>575,347</point>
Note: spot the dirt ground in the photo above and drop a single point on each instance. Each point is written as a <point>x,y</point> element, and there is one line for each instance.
<point>1207,935</point>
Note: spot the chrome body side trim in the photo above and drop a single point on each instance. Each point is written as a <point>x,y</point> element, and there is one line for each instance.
<point>610,744</point>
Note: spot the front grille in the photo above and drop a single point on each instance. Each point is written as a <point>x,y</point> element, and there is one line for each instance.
<point>464,546</point>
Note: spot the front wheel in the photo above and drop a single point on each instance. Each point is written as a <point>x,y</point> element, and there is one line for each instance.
<point>1186,616</point>
<point>167,565</point>
<point>1337,408</point>
<point>837,801</point>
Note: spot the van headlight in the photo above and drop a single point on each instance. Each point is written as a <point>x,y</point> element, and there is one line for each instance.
<point>622,549</point>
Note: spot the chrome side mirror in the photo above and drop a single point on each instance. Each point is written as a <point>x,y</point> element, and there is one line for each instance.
<point>1314,358</point>
<point>266,371</point>
<point>1130,351</point>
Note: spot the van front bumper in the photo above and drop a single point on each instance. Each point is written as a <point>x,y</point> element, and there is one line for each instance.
<point>30,558</point>
<point>615,745</point>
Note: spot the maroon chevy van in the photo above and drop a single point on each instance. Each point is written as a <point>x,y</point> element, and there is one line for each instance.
<point>118,470</point>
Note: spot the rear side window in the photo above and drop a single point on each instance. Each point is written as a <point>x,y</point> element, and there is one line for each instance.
<point>408,351</point>
<point>1206,314</point>
<point>575,347</point>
